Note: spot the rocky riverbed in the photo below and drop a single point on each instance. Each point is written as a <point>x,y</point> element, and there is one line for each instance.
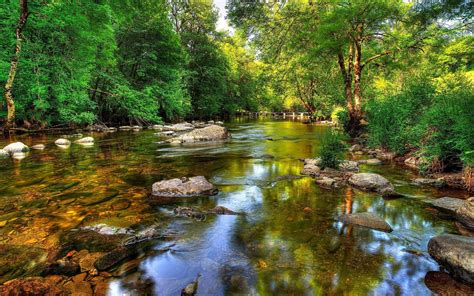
<point>125,211</point>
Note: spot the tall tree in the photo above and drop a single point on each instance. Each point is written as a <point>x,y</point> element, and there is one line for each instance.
<point>14,63</point>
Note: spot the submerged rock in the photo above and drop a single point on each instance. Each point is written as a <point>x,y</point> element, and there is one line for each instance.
<point>38,147</point>
<point>447,205</point>
<point>61,142</point>
<point>455,253</point>
<point>366,219</point>
<point>86,140</point>
<point>372,182</point>
<point>429,182</point>
<point>16,147</point>
<point>206,134</point>
<point>184,187</point>
<point>220,210</point>
<point>34,286</point>
<point>115,257</point>
<point>465,213</point>
<point>190,213</point>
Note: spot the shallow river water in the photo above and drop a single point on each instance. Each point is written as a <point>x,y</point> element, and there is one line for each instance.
<point>276,248</point>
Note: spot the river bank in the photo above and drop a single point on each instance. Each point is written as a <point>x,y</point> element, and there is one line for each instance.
<point>55,200</point>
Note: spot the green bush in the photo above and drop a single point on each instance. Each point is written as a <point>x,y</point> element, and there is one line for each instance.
<point>448,140</point>
<point>340,116</point>
<point>434,117</point>
<point>332,148</point>
<point>393,120</point>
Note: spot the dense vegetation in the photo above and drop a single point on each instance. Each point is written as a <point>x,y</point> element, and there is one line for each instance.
<point>398,75</point>
<point>122,62</point>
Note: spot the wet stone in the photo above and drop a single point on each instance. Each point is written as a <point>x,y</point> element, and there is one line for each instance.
<point>368,220</point>
<point>15,261</point>
<point>184,187</point>
<point>440,283</point>
<point>447,205</point>
<point>120,205</point>
<point>465,213</point>
<point>34,286</point>
<point>91,241</point>
<point>455,253</point>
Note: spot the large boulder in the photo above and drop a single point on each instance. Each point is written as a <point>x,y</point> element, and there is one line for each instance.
<point>366,219</point>
<point>183,187</point>
<point>15,147</point>
<point>372,182</point>
<point>447,205</point>
<point>465,213</point>
<point>210,133</point>
<point>455,253</point>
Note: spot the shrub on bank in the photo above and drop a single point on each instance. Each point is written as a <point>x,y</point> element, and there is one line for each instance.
<point>435,118</point>
<point>332,148</point>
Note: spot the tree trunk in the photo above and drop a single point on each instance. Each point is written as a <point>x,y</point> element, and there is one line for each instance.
<point>14,64</point>
<point>346,76</point>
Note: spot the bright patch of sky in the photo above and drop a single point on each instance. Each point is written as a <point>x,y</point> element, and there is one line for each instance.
<point>222,22</point>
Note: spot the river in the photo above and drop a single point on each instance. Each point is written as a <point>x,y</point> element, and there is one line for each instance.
<point>277,247</point>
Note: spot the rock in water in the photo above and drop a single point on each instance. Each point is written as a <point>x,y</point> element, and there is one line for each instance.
<point>191,288</point>
<point>4,153</point>
<point>455,253</point>
<point>38,147</point>
<point>465,213</point>
<point>373,161</point>
<point>183,187</point>
<point>448,205</point>
<point>206,134</point>
<point>440,283</point>
<point>311,167</point>
<point>349,165</point>
<point>16,147</point>
<point>429,182</point>
<point>62,142</point>
<point>85,140</point>
<point>368,220</point>
<point>372,182</point>
<point>19,155</point>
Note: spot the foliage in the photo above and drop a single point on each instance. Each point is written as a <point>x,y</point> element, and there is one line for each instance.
<point>332,148</point>
<point>124,62</point>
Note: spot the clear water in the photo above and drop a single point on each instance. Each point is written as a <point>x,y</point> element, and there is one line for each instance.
<point>276,248</point>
